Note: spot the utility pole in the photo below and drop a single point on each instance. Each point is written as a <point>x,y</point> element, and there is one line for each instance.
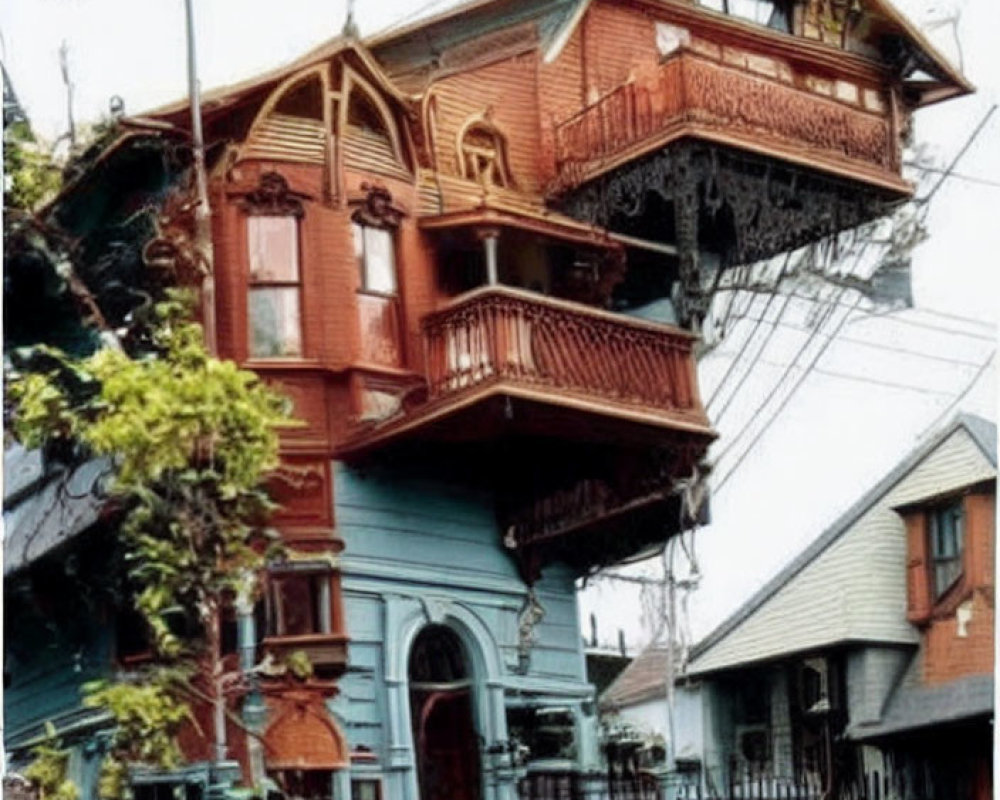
<point>203,246</point>
<point>203,211</point>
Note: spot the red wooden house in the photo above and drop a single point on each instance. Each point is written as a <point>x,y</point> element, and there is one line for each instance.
<point>473,250</point>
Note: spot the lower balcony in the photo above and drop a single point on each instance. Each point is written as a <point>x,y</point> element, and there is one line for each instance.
<point>503,362</point>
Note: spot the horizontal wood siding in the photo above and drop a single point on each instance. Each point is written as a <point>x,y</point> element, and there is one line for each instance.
<point>506,91</point>
<point>435,540</point>
<point>285,137</point>
<point>617,40</point>
<point>856,588</point>
<point>369,151</point>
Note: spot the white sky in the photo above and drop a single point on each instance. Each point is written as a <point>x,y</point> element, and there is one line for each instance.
<point>834,439</point>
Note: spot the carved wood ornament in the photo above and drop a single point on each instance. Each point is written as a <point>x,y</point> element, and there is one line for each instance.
<point>761,207</point>
<point>272,197</point>
<point>377,209</point>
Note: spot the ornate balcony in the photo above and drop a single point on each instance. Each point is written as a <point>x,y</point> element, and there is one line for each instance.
<point>758,106</point>
<point>502,361</point>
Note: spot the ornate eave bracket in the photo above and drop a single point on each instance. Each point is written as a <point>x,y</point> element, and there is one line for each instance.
<point>759,207</point>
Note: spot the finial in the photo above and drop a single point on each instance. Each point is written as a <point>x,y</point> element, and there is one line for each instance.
<point>350,29</point>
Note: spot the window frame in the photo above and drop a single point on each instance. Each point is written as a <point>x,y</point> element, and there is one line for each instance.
<point>322,596</point>
<point>785,9</point>
<point>953,562</point>
<point>273,199</point>
<point>360,237</point>
<point>258,283</point>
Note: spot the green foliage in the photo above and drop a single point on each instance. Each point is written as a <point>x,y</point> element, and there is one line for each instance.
<point>299,665</point>
<point>33,176</point>
<point>148,718</point>
<point>47,772</point>
<point>191,439</point>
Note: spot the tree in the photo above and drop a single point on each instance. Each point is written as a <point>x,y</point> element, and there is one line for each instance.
<point>192,439</point>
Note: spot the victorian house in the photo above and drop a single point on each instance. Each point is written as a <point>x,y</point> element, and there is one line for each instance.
<point>473,251</point>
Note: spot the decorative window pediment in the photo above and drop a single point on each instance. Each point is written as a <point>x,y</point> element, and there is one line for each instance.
<point>272,197</point>
<point>482,153</point>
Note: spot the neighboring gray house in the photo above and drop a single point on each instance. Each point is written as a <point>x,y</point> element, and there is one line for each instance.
<point>833,679</point>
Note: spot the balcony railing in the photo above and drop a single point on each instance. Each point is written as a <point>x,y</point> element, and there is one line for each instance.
<point>498,334</point>
<point>690,94</point>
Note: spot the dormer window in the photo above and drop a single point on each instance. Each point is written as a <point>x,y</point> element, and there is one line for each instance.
<point>945,530</point>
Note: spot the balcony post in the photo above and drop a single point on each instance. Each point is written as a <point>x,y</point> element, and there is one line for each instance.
<point>490,238</point>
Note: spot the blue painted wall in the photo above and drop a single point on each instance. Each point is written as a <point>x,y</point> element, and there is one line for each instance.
<point>425,548</point>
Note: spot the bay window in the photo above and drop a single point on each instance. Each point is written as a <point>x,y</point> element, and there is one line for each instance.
<point>376,258</point>
<point>275,287</point>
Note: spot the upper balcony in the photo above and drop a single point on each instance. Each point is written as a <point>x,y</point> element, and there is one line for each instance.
<point>501,361</point>
<point>751,103</point>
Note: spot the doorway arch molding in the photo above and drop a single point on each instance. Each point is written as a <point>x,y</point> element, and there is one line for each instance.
<point>405,617</point>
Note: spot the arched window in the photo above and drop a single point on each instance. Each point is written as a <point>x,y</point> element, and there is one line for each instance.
<point>437,657</point>
<point>483,154</point>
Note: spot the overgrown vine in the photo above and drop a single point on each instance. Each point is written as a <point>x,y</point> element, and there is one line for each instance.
<point>190,439</point>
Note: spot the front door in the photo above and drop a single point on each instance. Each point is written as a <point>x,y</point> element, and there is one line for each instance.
<point>443,718</point>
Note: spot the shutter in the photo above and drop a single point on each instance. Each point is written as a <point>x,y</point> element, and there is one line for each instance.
<point>918,592</point>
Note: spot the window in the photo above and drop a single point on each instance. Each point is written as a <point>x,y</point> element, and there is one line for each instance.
<point>375,252</point>
<point>776,14</point>
<point>366,789</point>
<point>484,155</point>
<point>945,527</point>
<point>166,790</point>
<point>305,784</point>
<point>274,314</point>
<point>299,604</point>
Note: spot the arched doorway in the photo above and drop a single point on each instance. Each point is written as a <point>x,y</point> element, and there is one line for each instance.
<point>441,712</point>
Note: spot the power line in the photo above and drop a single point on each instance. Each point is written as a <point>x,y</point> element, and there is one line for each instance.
<point>965,393</point>
<point>957,176</point>
<point>781,406</point>
<point>869,380</point>
<point>891,317</point>
<point>954,162</point>
<point>760,350</point>
<point>746,341</point>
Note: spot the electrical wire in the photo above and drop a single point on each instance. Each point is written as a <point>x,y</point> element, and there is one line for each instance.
<point>785,400</point>
<point>965,393</point>
<point>746,341</point>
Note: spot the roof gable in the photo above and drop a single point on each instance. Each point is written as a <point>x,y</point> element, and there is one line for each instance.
<point>845,585</point>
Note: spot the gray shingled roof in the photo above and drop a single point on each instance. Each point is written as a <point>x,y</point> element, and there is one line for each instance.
<point>917,706</point>
<point>983,433</point>
<point>43,509</point>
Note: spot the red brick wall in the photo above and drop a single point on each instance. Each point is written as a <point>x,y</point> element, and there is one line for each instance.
<point>953,649</point>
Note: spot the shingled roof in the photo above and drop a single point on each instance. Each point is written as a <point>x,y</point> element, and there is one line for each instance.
<point>644,679</point>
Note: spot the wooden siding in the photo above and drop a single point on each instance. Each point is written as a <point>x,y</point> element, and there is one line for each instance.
<point>284,137</point>
<point>506,91</point>
<point>617,40</point>
<point>437,541</point>
<point>370,151</point>
<point>856,588</point>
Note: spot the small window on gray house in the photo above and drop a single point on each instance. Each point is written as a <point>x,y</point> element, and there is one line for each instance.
<point>366,789</point>
<point>946,534</point>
